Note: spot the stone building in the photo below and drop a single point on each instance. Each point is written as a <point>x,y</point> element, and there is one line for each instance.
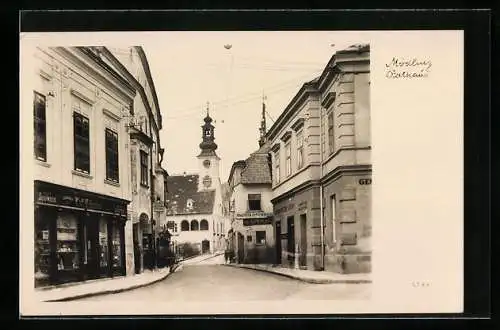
<point>81,166</point>
<point>320,149</point>
<point>195,202</point>
<point>147,209</point>
<point>252,236</point>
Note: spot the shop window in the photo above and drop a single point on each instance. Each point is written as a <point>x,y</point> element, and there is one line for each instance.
<point>40,129</point>
<point>254,202</point>
<point>331,141</point>
<point>249,238</point>
<point>67,243</point>
<point>42,249</point>
<point>111,142</point>
<point>260,237</point>
<point>103,243</point>
<point>288,159</point>
<point>300,149</point>
<point>194,225</point>
<point>184,225</point>
<point>81,142</point>
<point>117,248</point>
<point>203,224</point>
<point>144,168</point>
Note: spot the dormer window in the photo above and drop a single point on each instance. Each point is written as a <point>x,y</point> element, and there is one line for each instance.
<point>189,204</point>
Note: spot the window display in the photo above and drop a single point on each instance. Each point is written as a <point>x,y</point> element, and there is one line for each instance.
<point>117,253</point>
<point>42,250</point>
<point>103,243</point>
<point>67,243</point>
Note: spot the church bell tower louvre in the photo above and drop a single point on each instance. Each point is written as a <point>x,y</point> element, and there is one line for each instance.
<point>208,161</point>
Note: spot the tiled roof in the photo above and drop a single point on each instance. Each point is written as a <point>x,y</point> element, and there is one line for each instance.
<point>181,188</point>
<point>257,169</point>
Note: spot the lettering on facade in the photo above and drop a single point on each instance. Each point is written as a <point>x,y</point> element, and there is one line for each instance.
<point>253,215</point>
<point>285,208</point>
<point>253,222</point>
<point>365,182</point>
<point>47,198</point>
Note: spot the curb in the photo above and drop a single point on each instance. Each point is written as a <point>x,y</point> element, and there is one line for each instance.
<point>93,294</point>
<point>302,279</point>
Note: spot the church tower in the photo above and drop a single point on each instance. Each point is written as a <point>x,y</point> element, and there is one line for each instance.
<point>208,161</point>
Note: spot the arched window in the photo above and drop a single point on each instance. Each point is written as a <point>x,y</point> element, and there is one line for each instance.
<point>184,225</point>
<point>194,225</point>
<point>203,224</point>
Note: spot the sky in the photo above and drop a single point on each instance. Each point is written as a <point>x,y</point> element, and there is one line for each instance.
<point>190,69</point>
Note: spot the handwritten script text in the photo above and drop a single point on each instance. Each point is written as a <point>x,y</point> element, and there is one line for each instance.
<point>407,68</point>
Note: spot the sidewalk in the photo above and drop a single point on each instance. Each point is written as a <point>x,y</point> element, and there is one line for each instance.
<point>309,276</point>
<point>78,290</point>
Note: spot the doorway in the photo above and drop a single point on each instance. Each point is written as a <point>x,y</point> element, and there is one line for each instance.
<point>241,246</point>
<point>303,240</point>
<point>277,233</point>
<point>91,248</point>
<point>205,246</point>
<point>290,239</point>
<point>137,249</point>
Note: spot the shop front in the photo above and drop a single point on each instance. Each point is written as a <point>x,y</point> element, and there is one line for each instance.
<point>257,227</point>
<point>297,228</point>
<point>79,235</point>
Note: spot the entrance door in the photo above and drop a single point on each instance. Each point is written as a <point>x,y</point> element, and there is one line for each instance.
<point>205,246</point>
<point>91,235</point>
<point>291,239</point>
<point>303,240</point>
<point>241,246</point>
<point>277,233</point>
<point>137,250</point>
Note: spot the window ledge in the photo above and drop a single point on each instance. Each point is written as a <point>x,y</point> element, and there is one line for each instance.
<point>42,163</point>
<point>82,174</point>
<point>112,183</point>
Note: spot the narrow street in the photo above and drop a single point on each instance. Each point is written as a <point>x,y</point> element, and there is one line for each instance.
<point>209,280</point>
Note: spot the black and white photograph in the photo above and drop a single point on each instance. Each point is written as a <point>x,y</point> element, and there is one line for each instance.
<point>210,169</point>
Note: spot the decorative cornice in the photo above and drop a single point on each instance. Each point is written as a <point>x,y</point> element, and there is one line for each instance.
<point>285,137</point>
<point>275,147</point>
<point>329,98</point>
<point>301,187</point>
<point>111,114</point>
<point>141,136</point>
<point>81,96</point>
<point>346,169</point>
<point>298,124</point>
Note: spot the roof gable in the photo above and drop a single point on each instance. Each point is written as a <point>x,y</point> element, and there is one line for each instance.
<point>183,196</point>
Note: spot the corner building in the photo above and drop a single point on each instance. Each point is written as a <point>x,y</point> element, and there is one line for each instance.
<point>320,149</point>
<point>81,166</point>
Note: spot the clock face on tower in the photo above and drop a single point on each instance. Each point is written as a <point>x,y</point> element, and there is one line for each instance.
<point>206,163</point>
<point>207,181</point>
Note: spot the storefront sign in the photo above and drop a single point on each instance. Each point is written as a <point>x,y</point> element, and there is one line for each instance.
<point>159,207</point>
<point>285,208</point>
<point>65,196</point>
<point>365,182</point>
<point>253,222</point>
<point>302,206</point>
<point>253,215</point>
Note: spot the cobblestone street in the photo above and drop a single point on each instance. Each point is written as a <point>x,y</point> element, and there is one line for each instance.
<point>209,280</point>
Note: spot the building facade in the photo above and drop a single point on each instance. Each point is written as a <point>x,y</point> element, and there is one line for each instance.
<point>82,167</point>
<point>147,209</point>
<point>252,238</point>
<point>320,150</point>
<point>195,202</point>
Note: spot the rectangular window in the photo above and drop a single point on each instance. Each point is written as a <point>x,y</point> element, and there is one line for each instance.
<point>300,149</point>
<point>277,165</point>
<point>334,221</point>
<point>288,163</point>
<point>111,138</point>
<point>254,202</point>
<point>40,131</point>
<point>331,141</point>
<point>144,168</point>
<point>260,237</point>
<point>81,142</point>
